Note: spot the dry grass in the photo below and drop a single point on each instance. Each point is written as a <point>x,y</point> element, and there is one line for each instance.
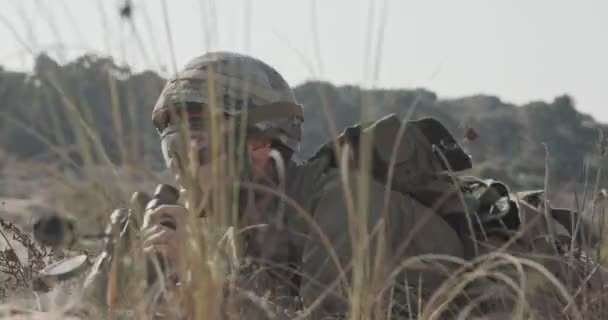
<point>499,282</point>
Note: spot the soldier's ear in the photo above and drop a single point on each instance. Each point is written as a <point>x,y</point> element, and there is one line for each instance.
<point>259,149</point>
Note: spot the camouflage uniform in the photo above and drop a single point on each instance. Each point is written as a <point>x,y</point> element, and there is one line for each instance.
<point>315,187</point>
<point>428,211</point>
<point>315,229</point>
<point>402,219</point>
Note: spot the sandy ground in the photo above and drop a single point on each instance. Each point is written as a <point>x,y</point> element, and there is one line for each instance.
<point>19,211</point>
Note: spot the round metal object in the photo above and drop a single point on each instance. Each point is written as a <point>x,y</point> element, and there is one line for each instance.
<point>65,269</point>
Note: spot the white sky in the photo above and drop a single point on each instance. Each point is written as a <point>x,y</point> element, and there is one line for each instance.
<point>520,50</point>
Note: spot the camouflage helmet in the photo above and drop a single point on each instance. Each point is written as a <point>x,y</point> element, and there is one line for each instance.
<point>239,84</point>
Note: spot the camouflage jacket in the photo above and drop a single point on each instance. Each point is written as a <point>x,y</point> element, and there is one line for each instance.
<point>322,228</point>
<point>333,218</point>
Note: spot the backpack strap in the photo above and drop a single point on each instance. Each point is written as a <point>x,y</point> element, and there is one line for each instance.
<point>438,135</point>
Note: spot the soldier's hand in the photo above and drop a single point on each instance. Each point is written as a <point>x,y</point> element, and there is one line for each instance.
<point>163,233</point>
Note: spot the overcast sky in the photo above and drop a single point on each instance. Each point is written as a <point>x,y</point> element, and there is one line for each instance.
<point>520,50</point>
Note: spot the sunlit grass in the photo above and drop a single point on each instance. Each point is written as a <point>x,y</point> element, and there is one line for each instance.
<point>212,246</point>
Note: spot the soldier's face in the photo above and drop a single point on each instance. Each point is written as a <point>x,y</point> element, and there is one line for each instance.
<point>192,141</point>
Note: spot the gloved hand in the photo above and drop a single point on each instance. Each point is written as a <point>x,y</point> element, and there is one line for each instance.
<point>125,226</point>
<point>163,234</point>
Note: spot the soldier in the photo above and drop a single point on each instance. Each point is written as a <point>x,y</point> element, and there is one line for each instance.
<point>323,222</point>
<point>334,231</point>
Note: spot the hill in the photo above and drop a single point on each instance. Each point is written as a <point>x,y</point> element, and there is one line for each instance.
<point>56,110</point>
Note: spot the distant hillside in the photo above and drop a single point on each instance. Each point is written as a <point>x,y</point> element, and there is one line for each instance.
<point>58,109</point>
<point>510,142</point>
